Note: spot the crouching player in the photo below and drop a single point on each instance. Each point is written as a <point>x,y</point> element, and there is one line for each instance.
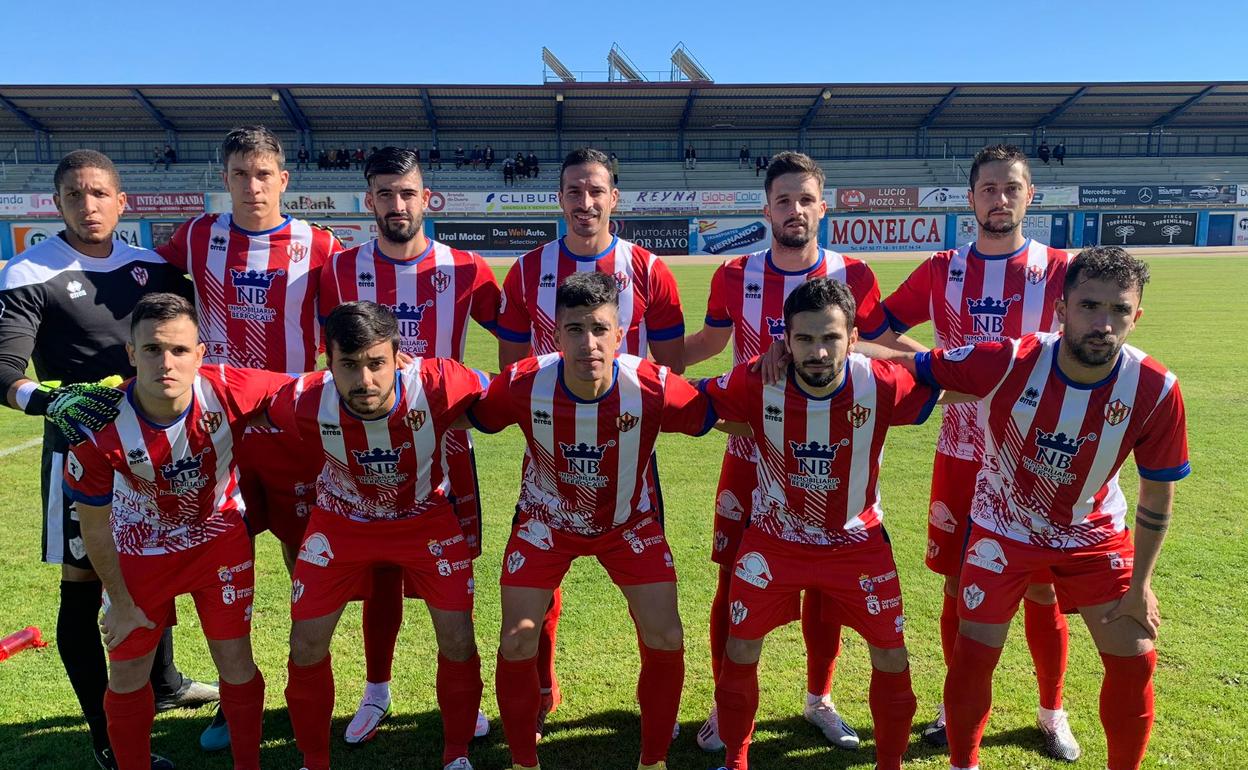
<point>816,521</point>
<point>158,498</point>
<point>590,417</point>
<point>382,500</point>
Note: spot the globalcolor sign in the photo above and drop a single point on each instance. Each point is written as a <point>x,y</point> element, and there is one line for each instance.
<point>923,232</point>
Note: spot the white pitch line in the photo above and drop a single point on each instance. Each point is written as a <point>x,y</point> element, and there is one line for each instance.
<point>34,442</point>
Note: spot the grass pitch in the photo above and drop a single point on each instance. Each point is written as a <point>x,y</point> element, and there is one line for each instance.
<point>1193,322</point>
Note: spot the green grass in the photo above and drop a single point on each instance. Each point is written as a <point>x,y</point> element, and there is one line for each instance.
<point>1193,323</point>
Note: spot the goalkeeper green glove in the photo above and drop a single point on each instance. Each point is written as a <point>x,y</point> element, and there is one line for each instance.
<point>73,409</point>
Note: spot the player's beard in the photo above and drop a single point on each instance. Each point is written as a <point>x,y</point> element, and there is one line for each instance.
<point>364,409</point>
<point>86,236</point>
<point>1000,227</point>
<point>821,379</point>
<point>400,230</point>
<point>1089,357</point>
<point>792,241</point>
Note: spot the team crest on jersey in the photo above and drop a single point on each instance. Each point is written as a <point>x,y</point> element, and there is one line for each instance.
<point>814,465</point>
<point>972,596</point>
<point>209,422</point>
<point>365,280</point>
<point>1055,452</point>
<point>297,252</point>
<point>754,569</point>
<point>409,317</point>
<point>721,541</point>
<point>444,567</point>
<point>316,550</point>
<point>626,422</point>
<point>224,574</point>
<point>515,560</point>
<point>441,280</point>
<point>583,463</point>
<point>139,274</point>
<point>251,292</point>
<point>217,243</point>
<point>737,612</point>
<point>1035,274</point>
<point>381,466</point>
<point>988,317</point>
<point>415,419</point>
<point>866,583</point>
<point>184,474</point>
<point>547,281</point>
<point>621,280</point>
<point>296,591</point>
<point>858,415</point>
<point>1116,412</point>
<point>775,327</point>
<point>753,291</point>
<point>536,534</point>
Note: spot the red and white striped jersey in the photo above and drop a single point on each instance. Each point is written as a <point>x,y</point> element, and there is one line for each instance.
<point>255,292</point>
<point>972,298</point>
<point>819,458</point>
<point>649,299</point>
<point>172,487</point>
<point>1050,468</point>
<point>432,295</point>
<point>385,468</point>
<point>588,459</point>
<point>748,294</point>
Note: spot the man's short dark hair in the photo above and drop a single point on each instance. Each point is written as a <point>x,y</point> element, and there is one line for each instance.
<point>817,294</point>
<point>581,156</point>
<point>792,163</point>
<point>996,153</point>
<point>392,160</point>
<point>162,306</point>
<point>355,326</point>
<point>1106,263</point>
<point>84,159</point>
<point>247,140</point>
<point>590,289</point>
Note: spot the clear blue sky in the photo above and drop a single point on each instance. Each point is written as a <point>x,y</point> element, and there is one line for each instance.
<point>487,41</point>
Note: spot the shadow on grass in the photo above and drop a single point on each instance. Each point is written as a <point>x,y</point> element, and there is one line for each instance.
<point>602,741</point>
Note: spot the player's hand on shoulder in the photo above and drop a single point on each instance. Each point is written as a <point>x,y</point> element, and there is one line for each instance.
<point>774,363</point>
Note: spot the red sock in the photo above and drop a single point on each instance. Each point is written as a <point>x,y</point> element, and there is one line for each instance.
<point>736,702</point>
<point>1126,707</point>
<point>310,700</point>
<point>459,697</point>
<point>719,622</point>
<point>515,685</point>
<point>658,693</point>
<point>383,616</point>
<point>130,716</point>
<point>243,706</point>
<point>892,708</point>
<point>546,678</point>
<point>968,698</point>
<point>948,628</point>
<point>1048,636</point>
<point>823,644</point>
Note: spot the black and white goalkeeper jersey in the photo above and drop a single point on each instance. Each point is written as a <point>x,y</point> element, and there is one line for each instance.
<point>70,313</point>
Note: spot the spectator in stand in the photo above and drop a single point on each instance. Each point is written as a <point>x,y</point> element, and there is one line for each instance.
<point>302,157</point>
<point>509,172</point>
<point>531,162</point>
<point>459,157</point>
<point>344,159</point>
<point>760,163</point>
<point>416,152</point>
<point>158,157</point>
<point>1059,153</point>
<point>331,160</point>
<point>322,160</point>
<point>488,157</point>
<point>615,169</point>
<point>1042,152</point>
<point>359,158</point>
<point>522,168</point>
<point>171,156</point>
<point>475,157</point>
<point>691,157</point>
<point>743,159</point>
<point>435,158</point>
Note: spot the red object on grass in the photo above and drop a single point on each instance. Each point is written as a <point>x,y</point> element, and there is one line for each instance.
<point>30,636</point>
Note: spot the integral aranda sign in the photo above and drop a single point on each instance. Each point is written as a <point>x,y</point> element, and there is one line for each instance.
<point>881,232</point>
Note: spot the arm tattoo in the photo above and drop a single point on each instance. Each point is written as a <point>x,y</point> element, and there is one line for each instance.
<point>1151,520</point>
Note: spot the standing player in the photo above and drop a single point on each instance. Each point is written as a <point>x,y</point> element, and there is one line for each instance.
<point>590,417</point>
<point>433,289</point>
<point>157,493</point>
<point>650,314</point>
<point>383,498</point>
<point>65,303</point>
<point>816,524</point>
<point>1061,412</point>
<point>1000,287</point>
<point>746,303</point>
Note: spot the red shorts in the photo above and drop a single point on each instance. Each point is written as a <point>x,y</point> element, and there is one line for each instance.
<point>219,576</point>
<point>859,584</point>
<point>737,480</point>
<point>949,516</point>
<point>278,482</point>
<point>336,561</point>
<point>998,569</point>
<point>634,554</point>
<point>465,497</point>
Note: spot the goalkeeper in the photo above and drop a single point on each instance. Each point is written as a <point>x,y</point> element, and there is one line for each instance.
<point>65,306</point>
